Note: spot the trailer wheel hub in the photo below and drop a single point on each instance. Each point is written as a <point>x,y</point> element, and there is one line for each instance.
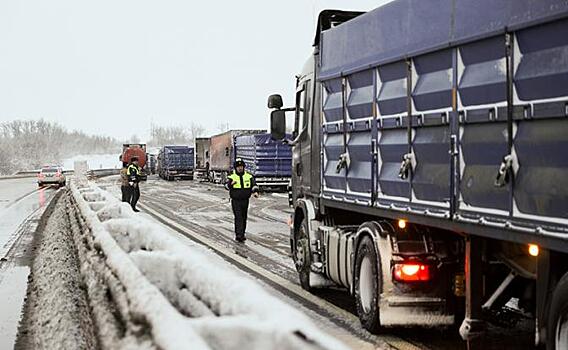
<point>302,250</point>
<point>366,284</point>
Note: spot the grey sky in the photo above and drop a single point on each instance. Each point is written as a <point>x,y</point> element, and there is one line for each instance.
<point>113,66</point>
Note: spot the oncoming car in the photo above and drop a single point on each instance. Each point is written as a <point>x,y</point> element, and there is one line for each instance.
<point>51,175</point>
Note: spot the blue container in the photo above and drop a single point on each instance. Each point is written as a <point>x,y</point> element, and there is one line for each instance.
<point>264,157</point>
<point>176,161</point>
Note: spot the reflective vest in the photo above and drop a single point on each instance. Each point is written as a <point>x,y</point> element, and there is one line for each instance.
<point>247,180</point>
<point>133,170</point>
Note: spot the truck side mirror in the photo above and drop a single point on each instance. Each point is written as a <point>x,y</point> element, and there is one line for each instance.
<point>275,101</point>
<point>278,124</point>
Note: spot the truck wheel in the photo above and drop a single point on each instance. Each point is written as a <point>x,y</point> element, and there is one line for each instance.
<point>302,255</point>
<point>557,328</point>
<point>367,277</point>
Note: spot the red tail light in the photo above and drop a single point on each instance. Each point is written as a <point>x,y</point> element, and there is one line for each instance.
<point>411,272</point>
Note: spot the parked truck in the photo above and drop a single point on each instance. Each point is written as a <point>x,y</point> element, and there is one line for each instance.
<point>268,160</point>
<point>202,159</point>
<point>152,163</point>
<point>222,152</point>
<point>136,150</point>
<point>176,162</point>
<point>429,170</point>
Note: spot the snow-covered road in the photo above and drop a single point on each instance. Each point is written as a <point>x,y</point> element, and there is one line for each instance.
<point>18,199</point>
<point>21,205</point>
<point>141,280</point>
<point>201,212</point>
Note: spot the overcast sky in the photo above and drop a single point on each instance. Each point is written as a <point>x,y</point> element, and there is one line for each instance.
<point>113,67</point>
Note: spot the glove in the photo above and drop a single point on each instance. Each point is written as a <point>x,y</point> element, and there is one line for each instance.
<point>131,183</point>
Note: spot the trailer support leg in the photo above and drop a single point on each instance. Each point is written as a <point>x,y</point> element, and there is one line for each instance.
<point>473,326</point>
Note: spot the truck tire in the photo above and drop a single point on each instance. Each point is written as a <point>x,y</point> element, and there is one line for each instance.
<point>557,328</point>
<point>302,255</point>
<point>367,276</point>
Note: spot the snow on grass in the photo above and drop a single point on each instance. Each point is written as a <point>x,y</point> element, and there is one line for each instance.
<point>189,299</point>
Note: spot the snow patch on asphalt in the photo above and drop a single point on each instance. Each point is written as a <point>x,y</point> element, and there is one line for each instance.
<point>188,299</point>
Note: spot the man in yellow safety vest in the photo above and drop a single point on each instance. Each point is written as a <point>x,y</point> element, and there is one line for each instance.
<point>241,185</point>
<point>134,175</point>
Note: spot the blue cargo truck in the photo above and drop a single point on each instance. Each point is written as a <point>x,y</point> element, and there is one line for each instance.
<point>430,174</point>
<point>268,160</point>
<point>176,162</point>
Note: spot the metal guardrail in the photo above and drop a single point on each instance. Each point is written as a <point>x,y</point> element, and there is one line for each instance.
<point>102,172</point>
<point>33,173</point>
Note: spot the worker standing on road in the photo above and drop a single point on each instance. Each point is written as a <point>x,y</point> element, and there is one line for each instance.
<point>207,171</point>
<point>241,185</point>
<point>134,174</point>
<point>124,186</point>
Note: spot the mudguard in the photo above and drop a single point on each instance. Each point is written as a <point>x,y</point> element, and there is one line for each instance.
<point>379,232</point>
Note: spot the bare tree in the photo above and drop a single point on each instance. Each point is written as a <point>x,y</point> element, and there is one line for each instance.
<point>29,144</point>
<point>171,135</point>
<point>222,127</point>
<point>195,130</point>
<point>134,139</point>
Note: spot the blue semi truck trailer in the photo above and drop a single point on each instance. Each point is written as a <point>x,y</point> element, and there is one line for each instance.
<point>176,162</point>
<point>268,160</point>
<point>430,175</point>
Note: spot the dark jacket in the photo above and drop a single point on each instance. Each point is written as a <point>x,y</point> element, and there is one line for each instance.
<point>243,186</point>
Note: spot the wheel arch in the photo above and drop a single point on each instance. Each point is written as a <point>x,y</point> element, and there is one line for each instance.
<point>378,232</point>
<point>305,209</point>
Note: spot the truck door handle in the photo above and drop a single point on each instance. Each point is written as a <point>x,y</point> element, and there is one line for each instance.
<point>299,169</point>
<point>408,162</point>
<point>343,162</point>
<point>508,166</point>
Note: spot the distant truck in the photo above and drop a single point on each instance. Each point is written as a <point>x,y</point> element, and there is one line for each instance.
<point>152,163</point>
<point>138,150</point>
<point>202,158</point>
<point>222,152</point>
<point>429,178</point>
<point>176,162</point>
<point>268,160</point>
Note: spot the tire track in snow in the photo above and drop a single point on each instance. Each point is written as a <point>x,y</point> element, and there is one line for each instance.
<point>337,315</point>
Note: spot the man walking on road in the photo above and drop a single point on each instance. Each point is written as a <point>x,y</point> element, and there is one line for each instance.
<point>241,185</point>
<point>124,186</point>
<point>134,174</point>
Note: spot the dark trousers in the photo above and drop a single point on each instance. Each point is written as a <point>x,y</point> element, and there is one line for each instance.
<point>134,195</point>
<point>240,210</point>
<point>125,193</point>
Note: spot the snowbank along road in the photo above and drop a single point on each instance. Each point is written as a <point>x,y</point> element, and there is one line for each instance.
<point>125,282</point>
